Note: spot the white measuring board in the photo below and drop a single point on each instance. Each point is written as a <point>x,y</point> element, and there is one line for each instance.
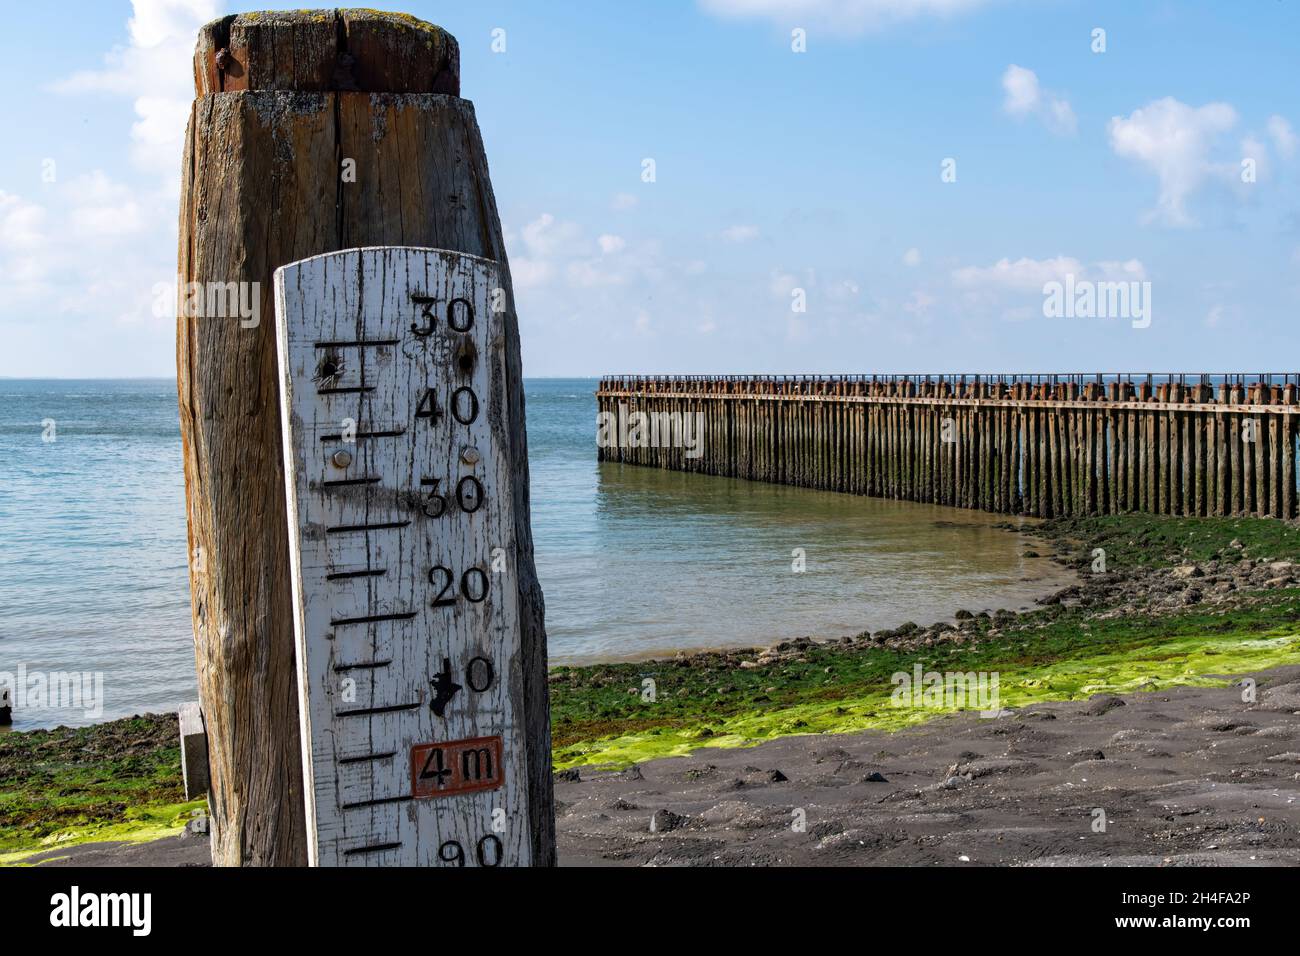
<point>402,541</point>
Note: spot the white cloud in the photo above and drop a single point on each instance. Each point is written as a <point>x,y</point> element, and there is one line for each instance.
<point>155,69</point>
<point>912,257</point>
<point>1024,97</point>
<point>84,258</point>
<point>65,257</point>
<point>587,274</point>
<point>1059,117</point>
<point>1129,269</point>
<point>740,233</point>
<point>525,273</point>
<point>843,290</point>
<point>546,237</point>
<point>782,284</point>
<point>1284,137</point>
<point>103,208</point>
<point>552,252</point>
<point>541,246</point>
<point>1022,275</point>
<point>23,243</point>
<point>21,222</point>
<point>919,303</point>
<point>1021,88</point>
<point>1175,141</point>
<point>611,244</point>
<point>847,16</point>
<point>1029,275</point>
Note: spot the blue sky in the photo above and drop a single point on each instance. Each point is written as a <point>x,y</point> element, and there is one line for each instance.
<point>776,171</point>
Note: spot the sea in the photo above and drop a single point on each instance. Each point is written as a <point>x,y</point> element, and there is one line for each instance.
<point>634,562</point>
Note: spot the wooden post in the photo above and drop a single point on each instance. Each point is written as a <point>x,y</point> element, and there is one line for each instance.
<point>1221,491</point>
<point>1249,450</point>
<point>1200,462</point>
<point>1042,419</point>
<point>1236,469</point>
<point>358,138</point>
<point>1119,430</point>
<point>1288,452</point>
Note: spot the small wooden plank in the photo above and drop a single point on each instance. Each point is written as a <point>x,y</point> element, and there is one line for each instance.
<point>194,751</point>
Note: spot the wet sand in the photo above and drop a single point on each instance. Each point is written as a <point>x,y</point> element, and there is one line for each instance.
<point>1191,776</point>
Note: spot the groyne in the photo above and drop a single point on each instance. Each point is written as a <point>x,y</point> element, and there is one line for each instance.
<point>1041,444</point>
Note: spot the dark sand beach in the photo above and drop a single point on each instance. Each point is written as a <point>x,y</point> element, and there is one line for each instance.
<point>1189,776</point>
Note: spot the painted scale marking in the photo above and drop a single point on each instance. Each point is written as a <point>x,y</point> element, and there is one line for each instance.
<point>402,550</point>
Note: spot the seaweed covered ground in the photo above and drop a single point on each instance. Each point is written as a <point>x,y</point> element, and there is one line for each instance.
<point>1160,604</point>
<point>113,781</point>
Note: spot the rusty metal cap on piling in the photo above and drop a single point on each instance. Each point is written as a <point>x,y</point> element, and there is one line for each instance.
<point>318,51</point>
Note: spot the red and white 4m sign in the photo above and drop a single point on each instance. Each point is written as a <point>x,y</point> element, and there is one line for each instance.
<point>401,525</point>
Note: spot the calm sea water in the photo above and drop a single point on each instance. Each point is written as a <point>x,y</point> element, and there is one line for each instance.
<point>633,561</point>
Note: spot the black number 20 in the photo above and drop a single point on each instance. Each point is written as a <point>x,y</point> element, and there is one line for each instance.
<point>475,595</point>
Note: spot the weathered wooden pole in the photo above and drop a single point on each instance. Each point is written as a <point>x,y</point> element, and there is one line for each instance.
<point>311,132</point>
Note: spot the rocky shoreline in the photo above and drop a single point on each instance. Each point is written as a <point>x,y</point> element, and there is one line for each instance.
<point>1231,579</point>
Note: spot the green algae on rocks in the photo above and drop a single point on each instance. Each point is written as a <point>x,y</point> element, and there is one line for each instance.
<point>119,780</point>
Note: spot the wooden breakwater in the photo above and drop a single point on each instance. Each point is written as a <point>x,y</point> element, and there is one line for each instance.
<point>1044,445</point>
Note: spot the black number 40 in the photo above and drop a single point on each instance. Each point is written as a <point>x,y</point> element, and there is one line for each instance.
<point>464,406</point>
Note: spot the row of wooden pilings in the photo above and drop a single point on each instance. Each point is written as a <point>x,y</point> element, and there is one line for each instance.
<point>1044,445</point>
